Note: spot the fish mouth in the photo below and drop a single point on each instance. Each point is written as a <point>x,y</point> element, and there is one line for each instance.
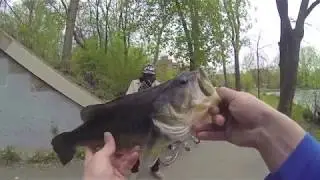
<point>204,83</point>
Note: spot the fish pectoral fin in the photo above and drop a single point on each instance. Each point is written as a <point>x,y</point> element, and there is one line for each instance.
<point>152,152</point>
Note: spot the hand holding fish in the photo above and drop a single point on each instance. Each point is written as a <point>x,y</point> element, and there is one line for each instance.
<point>105,165</point>
<point>241,113</point>
<point>250,122</point>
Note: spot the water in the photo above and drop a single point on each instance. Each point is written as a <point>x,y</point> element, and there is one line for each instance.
<point>304,97</point>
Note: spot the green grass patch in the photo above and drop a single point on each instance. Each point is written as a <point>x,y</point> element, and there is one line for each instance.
<point>297,110</point>
<point>300,114</point>
<point>43,157</point>
<point>10,155</point>
<point>80,153</point>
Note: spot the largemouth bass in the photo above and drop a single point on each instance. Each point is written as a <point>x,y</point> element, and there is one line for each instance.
<point>152,118</point>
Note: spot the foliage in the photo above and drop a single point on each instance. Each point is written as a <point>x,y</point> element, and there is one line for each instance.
<point>113,39</point>
<point>309,68</point>
<point>247,82</point>
<point>112,73</point>
<point>80,154</point>
<point>298,110</point>
<point>43,157</point>
<point>10,155</point>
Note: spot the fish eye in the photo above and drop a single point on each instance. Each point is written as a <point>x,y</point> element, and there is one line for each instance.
<point>183,81</point>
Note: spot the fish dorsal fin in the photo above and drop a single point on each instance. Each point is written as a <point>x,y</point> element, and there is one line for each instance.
<point>142,99</point>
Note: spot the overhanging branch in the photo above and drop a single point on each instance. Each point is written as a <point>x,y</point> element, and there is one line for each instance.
<point>312,6</point>
<point>301,16</point>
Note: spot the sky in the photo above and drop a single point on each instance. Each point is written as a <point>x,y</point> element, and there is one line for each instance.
<point>268,23</point>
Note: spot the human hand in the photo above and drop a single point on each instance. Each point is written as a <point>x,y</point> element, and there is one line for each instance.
<point>106,165</point>
<point>243,115</point>
<point>250,122</point>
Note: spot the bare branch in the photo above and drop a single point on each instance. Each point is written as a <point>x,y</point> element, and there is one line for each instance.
<point>15,14</point>
<point>301,16</point>
<point>312,6</point>
<point>64,5</point>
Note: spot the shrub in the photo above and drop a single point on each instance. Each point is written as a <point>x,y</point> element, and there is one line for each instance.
<point>43,157</point>
<point>10,155</point>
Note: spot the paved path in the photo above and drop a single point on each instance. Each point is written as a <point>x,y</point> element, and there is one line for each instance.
<point>209,161</point>
<point>217,161</point>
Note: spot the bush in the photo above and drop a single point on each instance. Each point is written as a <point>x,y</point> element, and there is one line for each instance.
<point>247,81</point>
<point>111,72</point>
<point>10,155</point>
<point>80,154</point>
<point>42,157</point>
<point>307,114</point>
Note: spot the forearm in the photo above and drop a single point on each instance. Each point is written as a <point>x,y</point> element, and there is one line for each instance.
<point>278,139</point>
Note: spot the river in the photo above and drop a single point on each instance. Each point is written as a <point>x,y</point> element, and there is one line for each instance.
<point>304,97</point>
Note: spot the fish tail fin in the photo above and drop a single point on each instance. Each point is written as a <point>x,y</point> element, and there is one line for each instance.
<point>63,148</point>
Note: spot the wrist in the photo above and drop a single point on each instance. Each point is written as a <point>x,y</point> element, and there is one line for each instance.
<point>278,138</point>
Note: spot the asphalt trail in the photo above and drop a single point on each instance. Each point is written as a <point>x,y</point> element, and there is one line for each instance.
<point>208,161</point>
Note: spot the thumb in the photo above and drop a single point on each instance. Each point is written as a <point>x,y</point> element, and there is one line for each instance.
<point>110,145</point>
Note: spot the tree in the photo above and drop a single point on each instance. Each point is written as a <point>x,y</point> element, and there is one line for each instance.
<point>308,65</point>
<point>236,12</point>
<point>68,36</point>
<point>289,47</point>
<point>259,58</point>
<point>220,34</point>
<point>159,14</point>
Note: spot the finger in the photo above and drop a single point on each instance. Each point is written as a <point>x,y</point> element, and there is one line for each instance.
<point>110,145</point>
<point>88,155</point>
<point>210,135</point>
<point>219,120</point>
<point>202,127</point>
<point>127,162</point>
<point>214,110</point>
<point>227,95</point>
<point>216,124</point>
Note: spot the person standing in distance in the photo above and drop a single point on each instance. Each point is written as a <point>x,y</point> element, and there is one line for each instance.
<point>147,80</point>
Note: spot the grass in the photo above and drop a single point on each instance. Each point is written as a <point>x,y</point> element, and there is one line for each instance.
<point>299,113</point>
<point>10,155</point>
<point>297,110</point>
<point>272,100</point>
<point>42,157</point>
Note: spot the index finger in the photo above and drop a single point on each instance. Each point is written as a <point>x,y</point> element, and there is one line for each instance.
<point>88,154</point>
<point>227,95</point>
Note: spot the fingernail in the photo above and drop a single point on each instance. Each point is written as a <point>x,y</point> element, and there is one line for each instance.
<point>106,134</point>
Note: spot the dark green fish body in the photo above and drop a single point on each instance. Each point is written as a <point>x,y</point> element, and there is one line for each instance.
<point>152,118</point>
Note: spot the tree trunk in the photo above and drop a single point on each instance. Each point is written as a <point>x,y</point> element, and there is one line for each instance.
<point>98,23</point>
<point>237,69</point>
<point>187,34</point>
<point>258,67</point>
<point>289,60</point>
<point>156,54</point>
<point>224,66</point>
<point>289,45</point>
<point>106,27</point>
<point>70,23</point>
<point>126,34</point>
<point>195,33</point>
